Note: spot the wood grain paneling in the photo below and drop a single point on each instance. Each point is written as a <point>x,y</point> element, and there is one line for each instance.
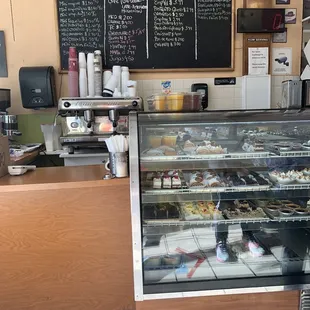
<point>264,301</point>
<point>66,249</point>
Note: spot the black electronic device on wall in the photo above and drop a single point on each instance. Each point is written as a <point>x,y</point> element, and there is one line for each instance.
<point>37,87</point>
<point>260,20</point>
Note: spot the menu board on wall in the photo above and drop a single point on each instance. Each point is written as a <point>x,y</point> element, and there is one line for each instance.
<point>145,34</point>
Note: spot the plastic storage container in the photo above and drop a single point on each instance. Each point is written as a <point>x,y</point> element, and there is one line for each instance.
<point>192,101</point>
<point>175,102</point>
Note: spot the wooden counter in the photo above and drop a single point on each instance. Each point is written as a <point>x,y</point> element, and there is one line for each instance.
<point>65,244</point>
<point>65,241</point>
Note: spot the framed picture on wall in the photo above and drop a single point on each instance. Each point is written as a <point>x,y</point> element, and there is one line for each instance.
<point>279,37</point>
<point>290,16</point>
<point>283,1</point>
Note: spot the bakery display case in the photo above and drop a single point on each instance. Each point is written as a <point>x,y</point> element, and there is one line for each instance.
<point>220,202</point>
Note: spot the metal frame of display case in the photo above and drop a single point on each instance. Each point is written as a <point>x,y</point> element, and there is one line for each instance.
<point>205,288</point>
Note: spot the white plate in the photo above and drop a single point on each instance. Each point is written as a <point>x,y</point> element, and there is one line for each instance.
<point>303,181</point>
<point>306,146</point>
<point>306,172</point>
<point>273,177</point>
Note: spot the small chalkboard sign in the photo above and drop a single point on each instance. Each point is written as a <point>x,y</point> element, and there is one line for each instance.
<point>149,34</point>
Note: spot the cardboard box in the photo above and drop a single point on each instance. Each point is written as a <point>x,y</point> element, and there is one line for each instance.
<point>4,155</point>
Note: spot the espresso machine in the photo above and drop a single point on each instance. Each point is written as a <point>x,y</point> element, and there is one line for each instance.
<point>88,122</point>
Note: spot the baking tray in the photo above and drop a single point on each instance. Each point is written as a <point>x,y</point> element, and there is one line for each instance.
<point>156,220</point>
<point>259,214</point>
<point>287,218</point>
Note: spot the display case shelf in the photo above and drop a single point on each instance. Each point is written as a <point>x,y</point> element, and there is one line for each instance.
<point>191,158</point>
<point>239,189</point>
<point>291,219</point>
<point>237,155</point>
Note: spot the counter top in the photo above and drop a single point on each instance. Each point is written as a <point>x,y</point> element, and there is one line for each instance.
<point>59,177</point>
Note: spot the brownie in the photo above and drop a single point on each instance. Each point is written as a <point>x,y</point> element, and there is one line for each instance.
<point>249,181</point>
<point>261,181</point>
<point>149,212</point>
<point>235,180</point>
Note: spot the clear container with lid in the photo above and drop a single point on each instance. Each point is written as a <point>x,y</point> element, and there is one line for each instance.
<point>157,103</point>
<point>175,102</point>
<point>192,101</point>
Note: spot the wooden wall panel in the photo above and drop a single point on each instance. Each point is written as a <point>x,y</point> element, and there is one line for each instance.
<point>264,301</point>
<point>66,249</point>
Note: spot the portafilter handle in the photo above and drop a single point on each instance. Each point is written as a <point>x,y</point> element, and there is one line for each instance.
<point>114,117</point>
<point>89,117</point>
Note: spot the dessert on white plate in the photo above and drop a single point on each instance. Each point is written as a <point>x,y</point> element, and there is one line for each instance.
<point>306,145</point>
<point>304,179</point>
<point>285,179</point>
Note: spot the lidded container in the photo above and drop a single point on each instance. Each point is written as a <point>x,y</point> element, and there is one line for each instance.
<point>192,101</point>
<point>159,103</point>
<point>175,102</point>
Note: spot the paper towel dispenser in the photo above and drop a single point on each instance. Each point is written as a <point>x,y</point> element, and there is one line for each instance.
<point>37,87</point>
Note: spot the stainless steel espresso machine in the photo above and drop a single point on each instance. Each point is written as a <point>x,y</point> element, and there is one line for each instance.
<point>87,122</point>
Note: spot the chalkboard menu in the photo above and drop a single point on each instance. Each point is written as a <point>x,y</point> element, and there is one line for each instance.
<point>144,34</point>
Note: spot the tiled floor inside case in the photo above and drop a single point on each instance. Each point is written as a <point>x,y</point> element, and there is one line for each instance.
<point>197,249</point>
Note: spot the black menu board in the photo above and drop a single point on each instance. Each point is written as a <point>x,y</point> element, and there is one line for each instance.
<point>144,34</point>
<point>81,24</point>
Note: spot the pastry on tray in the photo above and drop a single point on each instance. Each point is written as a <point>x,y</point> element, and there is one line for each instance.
<point>176,182</point>
<point>243,209</point>
<point>189,146</point>
<point>210,149</point>
<point>167,211</point>
<point>149,211</point>
<point>305,179</point>
<point>243,205</point>
<point>234,180</point>
<point>166,182</point>
<point>249,180</point>
<point>190,211</point>
<point>204,210</point>
<point>157,183</point>
<point>196,179</point>
<point>161,211</point>
<point>155,152</point>
<point>261,180</point>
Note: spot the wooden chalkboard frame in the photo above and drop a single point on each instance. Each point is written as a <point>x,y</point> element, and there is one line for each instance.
<point>150,70</point>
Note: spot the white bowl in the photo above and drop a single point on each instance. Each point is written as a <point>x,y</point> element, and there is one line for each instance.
<point>306,146</point>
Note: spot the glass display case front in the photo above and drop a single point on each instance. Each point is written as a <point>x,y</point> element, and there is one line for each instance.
<point>220,200</point>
